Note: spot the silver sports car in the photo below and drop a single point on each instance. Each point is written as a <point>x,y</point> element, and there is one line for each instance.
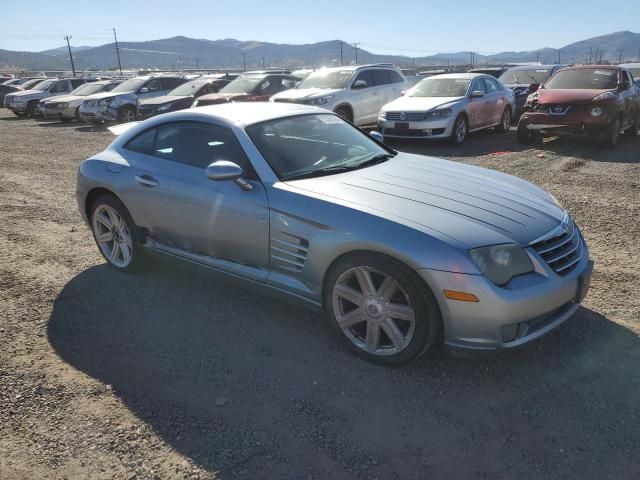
<point>401,251</point>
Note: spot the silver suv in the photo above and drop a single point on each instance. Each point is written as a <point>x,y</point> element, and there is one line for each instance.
<point>119,105</point>
<point>26,102</point>
<point>355,93</point>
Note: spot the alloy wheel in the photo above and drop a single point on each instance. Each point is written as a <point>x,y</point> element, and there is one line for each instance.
<point>461,130</point>
<point>127,115</point>
<point>506,120</point>
<point>373,311</point>
<point>112,236</point>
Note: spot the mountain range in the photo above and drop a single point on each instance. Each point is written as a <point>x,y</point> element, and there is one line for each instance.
<point>183,53</point>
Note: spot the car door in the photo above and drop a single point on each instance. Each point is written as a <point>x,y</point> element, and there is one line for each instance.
<point>495,100</point>
<point>478,111</point>
<point>364,98</point>
<point>152,88</point>
<point>171,196</point>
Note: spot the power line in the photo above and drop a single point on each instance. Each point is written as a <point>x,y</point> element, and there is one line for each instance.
<point>117,51</point>
<point>73,67</point>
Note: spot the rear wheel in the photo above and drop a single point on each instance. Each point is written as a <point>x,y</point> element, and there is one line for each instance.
<point>460,130</point>
<point>381,309</point>
<point>345,113</point>
<point>505,121</point>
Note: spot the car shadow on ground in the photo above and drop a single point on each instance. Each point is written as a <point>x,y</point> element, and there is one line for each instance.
<point>90,128</point>
<point>241,383</point>
<point>13,119</point>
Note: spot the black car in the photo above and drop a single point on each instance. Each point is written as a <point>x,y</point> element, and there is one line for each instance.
<point>182,96</point>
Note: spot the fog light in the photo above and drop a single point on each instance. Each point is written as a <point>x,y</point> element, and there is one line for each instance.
<point>596,112</point>
<point>510,332</point>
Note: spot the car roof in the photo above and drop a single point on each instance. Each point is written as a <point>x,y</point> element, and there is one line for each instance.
<point>537,67</point>
<point>467,76</point>
<point>249,113</point>
<point>630,65</point>
<point>589,67</point>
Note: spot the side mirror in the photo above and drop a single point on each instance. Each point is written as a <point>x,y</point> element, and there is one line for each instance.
<point>402,93</point>
<point>477,94</point>
<point>223,170</point>
<point>534,87</point>
<point>144,90</point>
<point>358,84</point>
<point>377,136</point>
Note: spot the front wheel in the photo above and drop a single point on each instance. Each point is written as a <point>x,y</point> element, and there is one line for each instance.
<point>505,121</point>
<point>116,234</point>
<point>381,309</point>
<point>460,130</point>
<point>611,136</point>
<point>32,109</point>
<point>633,130</point>
<point>126,115</point>
<point>345,113</point>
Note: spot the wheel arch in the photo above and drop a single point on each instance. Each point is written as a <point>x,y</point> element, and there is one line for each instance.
<point>93,195</point>
<point>346,105</point>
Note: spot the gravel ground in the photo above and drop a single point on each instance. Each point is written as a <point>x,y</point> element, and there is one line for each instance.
<point>171,374</point>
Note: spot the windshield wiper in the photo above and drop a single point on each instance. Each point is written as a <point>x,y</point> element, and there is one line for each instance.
<point>381,157</point>
<point>320,172</point>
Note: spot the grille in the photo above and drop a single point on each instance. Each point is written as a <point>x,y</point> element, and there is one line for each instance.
<point>412,133</point>
<point>289,254</point>
<point>408,116</point>
<point>561,251</point>
<point>554,109</point>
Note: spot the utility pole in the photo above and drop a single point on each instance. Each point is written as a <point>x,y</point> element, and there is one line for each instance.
<point>355,46</point>
<point>341,58</point>
<point>639,55</point>
<point>590,54</point>
<point>619,56</point>
<point>197,63</point>
<point>244,61</point>
<point>263,64</point>
<point>117,51</point>
<point>538,57</point>
<point>73,67</point>
<point>559,52</point>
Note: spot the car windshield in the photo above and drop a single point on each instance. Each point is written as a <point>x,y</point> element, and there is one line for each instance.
<point>87,89</point>
<point>242,85</point>
<point>440,87</point>
<point>314,145</point>
<point>333,79</point>
<point>189,88</point>
<point>533,75</point>
<point>30,83</point>
<point>44,85</point>
<point>635,73</point>
<point>130,85</point>
<point>584,78</point>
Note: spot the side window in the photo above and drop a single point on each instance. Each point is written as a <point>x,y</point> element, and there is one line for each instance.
<point>491,85</point>
<point>154,85</point>
<point>395,78</point>
<point>263,88</point>
<point>142,143</point>
<point>288,83</point>
<point>171,83</point>
<point>381,77</point>
<point>477,85</point>
<point>60,87</point>
<point>198,145</point>
<point>109,87</point>
<point>76,83</point>
<point>367,76</point>
<point>627,78</point>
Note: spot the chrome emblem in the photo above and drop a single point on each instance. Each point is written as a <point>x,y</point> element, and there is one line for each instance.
<point>558,109</point>
<point>403,116</point>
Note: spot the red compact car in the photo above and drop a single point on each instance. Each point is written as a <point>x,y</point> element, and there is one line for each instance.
<point>594,101</point>
<point>250,87</point>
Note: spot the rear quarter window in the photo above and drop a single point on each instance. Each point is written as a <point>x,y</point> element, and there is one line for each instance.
<point>142,143</point>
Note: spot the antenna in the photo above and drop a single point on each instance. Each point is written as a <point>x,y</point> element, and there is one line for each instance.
<point>117,51</point>
<point>73,68</point>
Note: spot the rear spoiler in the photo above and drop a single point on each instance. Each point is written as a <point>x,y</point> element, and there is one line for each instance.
<point>123,127</point>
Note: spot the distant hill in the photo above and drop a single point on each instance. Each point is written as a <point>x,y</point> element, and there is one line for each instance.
<point>183,52</point>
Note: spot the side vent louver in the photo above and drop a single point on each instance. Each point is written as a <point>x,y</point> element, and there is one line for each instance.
<point>289,252</point>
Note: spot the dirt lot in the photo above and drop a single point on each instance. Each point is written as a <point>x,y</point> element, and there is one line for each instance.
<point>170,374</point>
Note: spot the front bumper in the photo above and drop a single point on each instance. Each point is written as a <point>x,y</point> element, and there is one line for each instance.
<point>574,125</point>
<point>57,113</point>
<point>510,316</point>
<point>18,107</point>
<point>98,113</point>
<point>439,128</point>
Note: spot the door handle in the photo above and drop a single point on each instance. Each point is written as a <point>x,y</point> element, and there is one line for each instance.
<point>146,180</point>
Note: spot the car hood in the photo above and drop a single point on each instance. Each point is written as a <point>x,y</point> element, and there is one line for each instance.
<point>62,98</point>
<point>102,95</point>
<point>420,103</point>
<point>473,205</point>
<point>27,93</point>
<point>568,95</point>
<point>224,97</point>
<point>163,99</point>
<point>306,93</point>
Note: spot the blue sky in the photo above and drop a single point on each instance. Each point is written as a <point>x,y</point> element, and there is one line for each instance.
<point>409,27</point>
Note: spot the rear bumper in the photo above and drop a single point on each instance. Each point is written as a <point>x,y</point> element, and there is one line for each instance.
<point>510,316</point>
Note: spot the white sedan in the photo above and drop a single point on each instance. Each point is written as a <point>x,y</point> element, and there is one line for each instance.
<point>449,106</point>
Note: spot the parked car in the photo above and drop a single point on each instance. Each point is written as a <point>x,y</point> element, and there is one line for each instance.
<point>354,93</point>
<point>525,80</point>
<point>5,89</point>
<point>12,81</point>
<point>588,101</point>
<point>493,71</point>
<point>449,106</point>
<point>400,250</point>
<point>634,70</point>
<point>26,102</point>
<point>27,85</point>
<point>250,87</point>
<point>119,105</point>
<point>67,107</point>
<point>180,97</point>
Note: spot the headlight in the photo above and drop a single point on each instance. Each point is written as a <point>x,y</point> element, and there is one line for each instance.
<point>164,107</point>
<point>444,113</point>
<point>500,263</point>
<point>320,100</point>
<point>382,115</point>
<point>604,96</point>
<point>595,112</point>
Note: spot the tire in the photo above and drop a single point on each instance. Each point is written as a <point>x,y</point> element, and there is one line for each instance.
<point>611,135</point>
<point>65,120</point>
<point>525,136</point>
<point>77,115</point>
<point>127,237</point>
<point>32,109</point>
<point>633,130</point>
<point>345,113</point>
<point>460,130</point>
<point>364,322</point>
<point>126,115</point>
<point>505,121</point>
